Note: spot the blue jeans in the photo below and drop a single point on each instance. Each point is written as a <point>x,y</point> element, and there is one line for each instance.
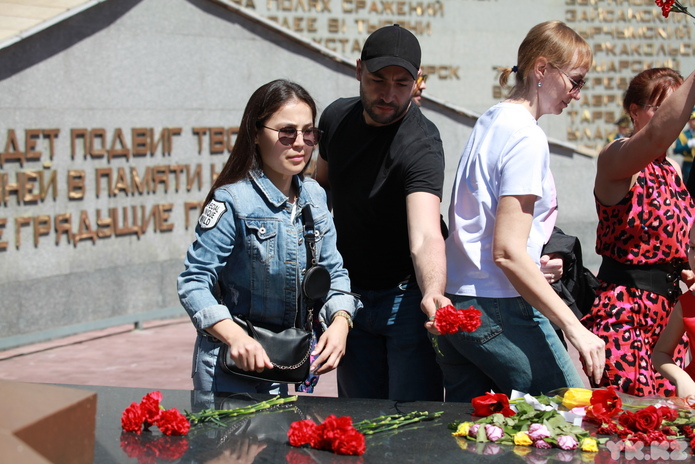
<point>515,347</point>
<point>388,354</point>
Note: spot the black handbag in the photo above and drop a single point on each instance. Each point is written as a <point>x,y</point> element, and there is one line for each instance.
<point>289,349</point>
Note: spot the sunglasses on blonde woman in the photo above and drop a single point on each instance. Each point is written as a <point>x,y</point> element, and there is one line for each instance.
<point>287,135</point>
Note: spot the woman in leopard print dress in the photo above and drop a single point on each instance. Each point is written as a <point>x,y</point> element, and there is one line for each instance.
<point>645,213</point>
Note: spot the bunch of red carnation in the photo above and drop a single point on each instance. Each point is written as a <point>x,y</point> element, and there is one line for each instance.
<point>449,320</point>
<point>141,416</point>
<point>665,6</point>
<point>335,434</point>
<point>668,6</point>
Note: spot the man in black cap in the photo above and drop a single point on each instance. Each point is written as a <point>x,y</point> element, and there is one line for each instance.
<point>383,163</point>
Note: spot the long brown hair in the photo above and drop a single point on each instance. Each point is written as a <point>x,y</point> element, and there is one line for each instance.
<point>265,101</point>
<point>555,41</point>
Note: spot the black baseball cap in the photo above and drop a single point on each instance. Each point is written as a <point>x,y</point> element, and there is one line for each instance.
<point>392,46</point>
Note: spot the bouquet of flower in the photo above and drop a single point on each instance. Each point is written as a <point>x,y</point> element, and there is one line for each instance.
<point>341,436</point>
<point>667,6</point>
<point>533,421</point>
<point>449,320</point>
<point>659,423</point>
<point>141,416</point>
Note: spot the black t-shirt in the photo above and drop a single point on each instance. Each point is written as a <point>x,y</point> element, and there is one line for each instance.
<point>371,171</point>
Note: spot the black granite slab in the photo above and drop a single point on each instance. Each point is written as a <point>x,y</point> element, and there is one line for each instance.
<point>262,438</point>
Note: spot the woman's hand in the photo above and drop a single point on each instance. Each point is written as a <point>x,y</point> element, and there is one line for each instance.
<point>551,267</point>
<point>688,276</point>
<point>331,346</point>
<point>686,388</point>
<point>249,355</point>
<point>592,351</point>
<point>246,352</point>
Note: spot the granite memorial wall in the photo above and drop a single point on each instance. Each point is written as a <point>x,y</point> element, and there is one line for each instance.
<point>117,119</point>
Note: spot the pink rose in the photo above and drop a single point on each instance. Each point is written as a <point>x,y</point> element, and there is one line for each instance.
<point>473,430</point>
<point>538,432</point>
<point>567,442</point>
<point>542,444</point>
<point>493,432</point>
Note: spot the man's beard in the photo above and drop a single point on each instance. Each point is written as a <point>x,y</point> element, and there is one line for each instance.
<point>383,119</point>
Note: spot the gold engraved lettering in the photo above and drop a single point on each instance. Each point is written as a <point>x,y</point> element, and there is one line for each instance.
<point>3,244</point>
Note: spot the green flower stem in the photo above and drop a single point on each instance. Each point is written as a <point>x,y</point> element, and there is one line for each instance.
<point>216,416</point>
<point>678,8</point>
<point>393,421</point>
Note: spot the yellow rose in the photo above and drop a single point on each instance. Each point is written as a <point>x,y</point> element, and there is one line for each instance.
<point>589,444</point>
<point>522,438</point>
<point>576,397</point>
<point>462,429</point>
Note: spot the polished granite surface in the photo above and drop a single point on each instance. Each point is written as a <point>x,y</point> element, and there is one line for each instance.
<point>262,438</point>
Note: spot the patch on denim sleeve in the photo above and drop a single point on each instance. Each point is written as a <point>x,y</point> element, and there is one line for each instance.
<point>212,214</point>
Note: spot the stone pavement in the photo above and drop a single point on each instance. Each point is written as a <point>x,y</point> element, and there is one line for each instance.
<point>157,356</point>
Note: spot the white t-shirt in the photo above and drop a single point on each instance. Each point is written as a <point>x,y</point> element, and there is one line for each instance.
<point>506,154</point>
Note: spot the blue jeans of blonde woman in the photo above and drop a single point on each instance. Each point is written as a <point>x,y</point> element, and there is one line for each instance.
<point>388,353</point>
<point>515,347</point>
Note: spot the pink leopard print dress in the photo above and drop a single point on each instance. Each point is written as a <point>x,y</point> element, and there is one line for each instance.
<point>649,226</point>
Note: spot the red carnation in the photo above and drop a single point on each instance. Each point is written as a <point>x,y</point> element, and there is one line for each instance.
<point>331,431</point>
<point>491,403</point>
<point>132,418</point>
<point>302,432</point>
<point>446,320</point>
<point>335,434</point>
<point>668,6</point>
<point>351,443</point>
<point>609,428</point>
<point>150,408</point>
<point>469,319</point>
<point>172,422</point>
<point>449,320</point>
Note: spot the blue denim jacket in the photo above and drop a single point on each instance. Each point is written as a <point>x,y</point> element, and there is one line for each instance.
<point>250,242</point>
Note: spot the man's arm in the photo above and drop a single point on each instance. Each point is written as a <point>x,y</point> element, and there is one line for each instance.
<point>321,173</point>
<point>427,251</point>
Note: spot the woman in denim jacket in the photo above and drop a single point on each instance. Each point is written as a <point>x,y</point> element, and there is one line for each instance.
<point>250,245</point>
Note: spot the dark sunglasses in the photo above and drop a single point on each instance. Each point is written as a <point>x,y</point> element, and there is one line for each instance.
<point>287,135</point>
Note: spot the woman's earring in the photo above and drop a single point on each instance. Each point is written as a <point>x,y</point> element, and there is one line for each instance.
<point>540,84</point>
